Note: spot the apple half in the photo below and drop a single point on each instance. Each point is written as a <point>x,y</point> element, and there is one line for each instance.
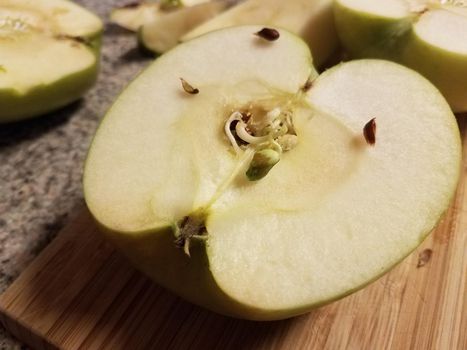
<point>428,36</point>
<point>49,55</point>
<point>258,190</point>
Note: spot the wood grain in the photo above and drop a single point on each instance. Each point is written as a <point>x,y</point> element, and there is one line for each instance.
<point>81,294</point>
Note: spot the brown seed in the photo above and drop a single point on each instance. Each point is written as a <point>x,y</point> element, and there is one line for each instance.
<point>424,257</point>
<point>268,34</point>
<point>131,5</point>
<point>307,86</point>
<point>369,132</point>
<point>76,39</point>
<point>421,11</point>
<point>188,88</point>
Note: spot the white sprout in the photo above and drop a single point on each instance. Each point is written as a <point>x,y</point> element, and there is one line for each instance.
<point>234,116</point>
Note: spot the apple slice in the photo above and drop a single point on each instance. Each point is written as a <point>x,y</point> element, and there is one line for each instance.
<point>133,15</point>
<point>162,34</point>
<point>311,20</point>
<point>258,191</point>
<point>428,36</point>
<point>48,53</point>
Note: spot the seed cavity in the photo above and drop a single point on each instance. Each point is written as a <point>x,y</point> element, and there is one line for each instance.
<point>188,87</point>
<point>268,34</point>
<point>266,134</point>
<point>369,132</point>
<point>190,228</point>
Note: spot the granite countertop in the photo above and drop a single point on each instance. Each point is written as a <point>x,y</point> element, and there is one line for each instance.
<point>41,160</point>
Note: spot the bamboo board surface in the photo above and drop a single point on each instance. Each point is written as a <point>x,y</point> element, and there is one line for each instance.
<point>81,294</point>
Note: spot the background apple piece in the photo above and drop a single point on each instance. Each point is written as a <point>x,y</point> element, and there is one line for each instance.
<point>332,215</point>
<point>311,20</point>
<point>164,32</point>
<point>133,17</point>
<point>49,54</point>
<point>429,38</point>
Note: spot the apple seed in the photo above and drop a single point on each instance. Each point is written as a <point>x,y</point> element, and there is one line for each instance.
<point>130,5</point>
<point>76,39</point>
<point>262,163</point>
<point>307,86</point>
<point>424,257</point>
<point>188,88</point>
<point>369,132</point>
<point>268,34</point>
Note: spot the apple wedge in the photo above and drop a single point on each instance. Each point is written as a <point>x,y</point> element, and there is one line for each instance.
<point>311,20</point>
<point>244,183</point>
<point>135,14</point>
<point>428,36</point>
<point>159,36</point>
<point>49,55</point>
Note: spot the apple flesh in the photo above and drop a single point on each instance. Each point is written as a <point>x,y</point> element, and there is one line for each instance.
<point>311,20</point>
<point>159,36</point>
<point>48,56</point>
<point>167,179</point>
<point>135,15</point>
<point>427,36</point>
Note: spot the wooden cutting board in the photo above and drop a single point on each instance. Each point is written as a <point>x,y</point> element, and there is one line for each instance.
<point>81,294</point>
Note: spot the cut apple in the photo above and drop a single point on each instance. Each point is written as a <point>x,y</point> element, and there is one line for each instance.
<point>136,14</point>
<point>311,20</point>
<point>161,35</point>
<point>48,53</point>
<point>258,190</point>
<point>428,36</point>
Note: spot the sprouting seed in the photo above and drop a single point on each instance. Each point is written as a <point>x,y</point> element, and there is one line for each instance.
<point>369,132</point>
<point>268,34</point>
<point>262,163</point>
<point>188,88</point>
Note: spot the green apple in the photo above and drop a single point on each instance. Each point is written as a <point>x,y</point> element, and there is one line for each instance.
<point>312,20</point>
<point>49,55</point>
<point>428,36</point>
<point>135,15</point>
<point>161,35</point>
<point>259,190</point>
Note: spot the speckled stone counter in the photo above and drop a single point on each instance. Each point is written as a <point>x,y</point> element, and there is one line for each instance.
<point>41,160</point>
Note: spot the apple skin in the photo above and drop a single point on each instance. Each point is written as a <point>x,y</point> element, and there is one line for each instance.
<point>148,250</point>
<point>47,98</point>
<point>371,36</point>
